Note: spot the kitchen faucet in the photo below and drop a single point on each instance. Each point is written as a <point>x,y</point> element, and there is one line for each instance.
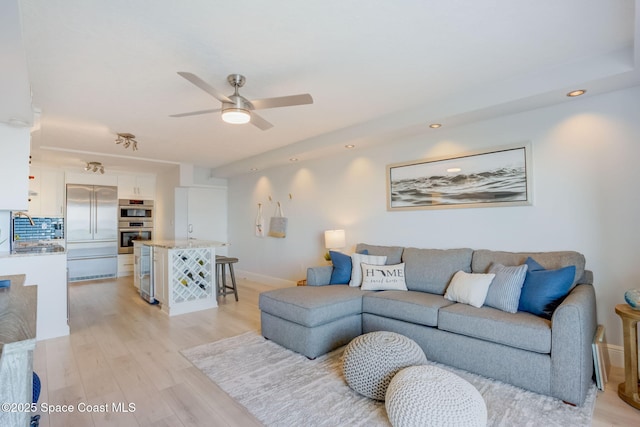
<point>26,215</point>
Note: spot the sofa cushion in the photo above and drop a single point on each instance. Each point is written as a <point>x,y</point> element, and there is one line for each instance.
<point>415,307</point>
<point>520,330</point>
<point>312,305</point>
<point>504,292</point>
<point>483,258</point>
<point>544,290</point>
<point>431,270</point>
<point>393,253</point>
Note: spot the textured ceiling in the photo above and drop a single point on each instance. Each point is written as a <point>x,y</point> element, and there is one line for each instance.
<point>376,70</point>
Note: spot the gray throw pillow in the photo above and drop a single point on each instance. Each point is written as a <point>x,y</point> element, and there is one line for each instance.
<point>504,292</point>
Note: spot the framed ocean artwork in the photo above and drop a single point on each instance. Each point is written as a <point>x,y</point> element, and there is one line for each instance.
<point>495,177</point>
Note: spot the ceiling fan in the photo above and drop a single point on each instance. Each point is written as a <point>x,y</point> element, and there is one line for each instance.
<point>236,108</point>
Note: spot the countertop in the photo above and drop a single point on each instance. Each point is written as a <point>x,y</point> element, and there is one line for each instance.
<point>17,312</point>
<point>181,244</point>
<point>34,252</point>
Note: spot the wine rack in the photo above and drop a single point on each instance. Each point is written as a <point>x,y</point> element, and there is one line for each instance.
<point>193,275</point>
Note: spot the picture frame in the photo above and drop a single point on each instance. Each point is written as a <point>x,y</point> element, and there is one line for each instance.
<point>488,178</point>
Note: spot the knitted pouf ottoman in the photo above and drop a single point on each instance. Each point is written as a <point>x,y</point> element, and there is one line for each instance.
<point>429,396</point>
<point>371,360</point>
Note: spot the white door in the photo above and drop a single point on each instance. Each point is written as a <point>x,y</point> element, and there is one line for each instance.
<point>206,216</point>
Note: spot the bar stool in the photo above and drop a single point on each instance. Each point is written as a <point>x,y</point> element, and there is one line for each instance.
<point>222,288</point>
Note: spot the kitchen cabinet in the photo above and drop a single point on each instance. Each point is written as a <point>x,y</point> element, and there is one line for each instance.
<point>160,273</point>
<point>46,192</point>
<point>14,167</point>
<point>137,187</point>
<point>125,265</point>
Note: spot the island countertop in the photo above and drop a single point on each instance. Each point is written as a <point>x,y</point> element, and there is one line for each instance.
<point>17,313</point>
<point>181,244</point>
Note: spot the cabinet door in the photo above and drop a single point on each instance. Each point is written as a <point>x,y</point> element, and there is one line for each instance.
<point>34,191</point>
<point>14,166</point>
<point>146,186</point>
<point>127,187</point>
<point>160,273</point>
<point>136,187</point>
<point>51,193</point>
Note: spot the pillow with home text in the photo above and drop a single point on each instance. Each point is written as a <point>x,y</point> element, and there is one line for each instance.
<point>383,277</point>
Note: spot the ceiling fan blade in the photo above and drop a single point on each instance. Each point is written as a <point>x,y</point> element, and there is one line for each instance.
<point>195,113</point>
<point>282,101</point>
<point>259,122</point>
<point>204,86</point>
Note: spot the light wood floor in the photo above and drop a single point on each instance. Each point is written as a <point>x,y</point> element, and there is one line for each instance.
<point>123,350</point>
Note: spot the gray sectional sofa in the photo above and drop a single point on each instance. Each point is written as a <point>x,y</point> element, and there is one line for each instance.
<point>551,357</point>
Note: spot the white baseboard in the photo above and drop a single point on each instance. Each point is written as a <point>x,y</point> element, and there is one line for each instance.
<point>276,282</point>
<point>616,355</point>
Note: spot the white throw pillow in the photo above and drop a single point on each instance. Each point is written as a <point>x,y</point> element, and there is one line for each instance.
<point>356,270</point>
<point>383,277</point>
<point>469,288</point>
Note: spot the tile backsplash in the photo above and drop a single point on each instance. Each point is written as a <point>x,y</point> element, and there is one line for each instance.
<point>44,229</point>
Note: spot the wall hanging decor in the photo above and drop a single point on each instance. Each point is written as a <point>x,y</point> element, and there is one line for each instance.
<point>496,177</point>
<point>278,224</point>
<point>259,222</point>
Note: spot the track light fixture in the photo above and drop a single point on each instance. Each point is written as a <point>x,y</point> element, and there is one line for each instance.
<point>126,139</point>
<point>94,167</point>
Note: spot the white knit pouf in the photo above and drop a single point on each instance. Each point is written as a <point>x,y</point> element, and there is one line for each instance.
<point>429,396</point>
<point>371,360</point>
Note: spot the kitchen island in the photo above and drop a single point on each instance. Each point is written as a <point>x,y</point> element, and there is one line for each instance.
<point>45,267</point>
<point>17,342</point>
<point>179,274</point>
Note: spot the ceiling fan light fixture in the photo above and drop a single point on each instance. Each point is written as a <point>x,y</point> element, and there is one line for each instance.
<point>236,116</point>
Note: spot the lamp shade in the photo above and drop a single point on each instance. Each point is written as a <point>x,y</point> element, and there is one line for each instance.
<point>334,239</point>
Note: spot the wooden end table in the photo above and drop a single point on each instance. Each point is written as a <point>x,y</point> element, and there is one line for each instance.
<point>628,390</point>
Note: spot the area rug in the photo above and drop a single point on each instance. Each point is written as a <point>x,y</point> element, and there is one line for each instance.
<point>283,388</point>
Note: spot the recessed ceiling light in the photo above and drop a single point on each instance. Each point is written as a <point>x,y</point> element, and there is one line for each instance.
<point>253,169</point>
<point>293,159</point>
<point>451,170</point>
<point>435,125</point>
<point>349,146</point>
<point>577,92</point>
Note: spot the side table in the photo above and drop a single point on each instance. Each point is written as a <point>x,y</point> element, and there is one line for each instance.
<point>628,390</point>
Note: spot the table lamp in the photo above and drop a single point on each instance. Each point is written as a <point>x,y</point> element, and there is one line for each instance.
<point>333,239</point>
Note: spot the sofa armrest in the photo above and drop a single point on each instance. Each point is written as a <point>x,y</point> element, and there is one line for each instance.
<point>319,276</point>
<point>573,326</point>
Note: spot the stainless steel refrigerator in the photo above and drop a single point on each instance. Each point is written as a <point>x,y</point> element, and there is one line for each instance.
<point>92,231</point>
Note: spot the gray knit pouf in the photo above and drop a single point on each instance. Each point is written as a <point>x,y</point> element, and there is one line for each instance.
<point>371,360</point>
<point>429,396</point>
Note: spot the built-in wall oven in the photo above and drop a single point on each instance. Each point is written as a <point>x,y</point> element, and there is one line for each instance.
<point>135,222</point>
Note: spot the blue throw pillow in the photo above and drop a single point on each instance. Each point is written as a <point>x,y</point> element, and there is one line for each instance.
<point>543,290</point>
<point>341,273</point>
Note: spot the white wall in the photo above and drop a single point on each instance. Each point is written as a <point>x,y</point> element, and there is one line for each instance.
<point>585,175</point>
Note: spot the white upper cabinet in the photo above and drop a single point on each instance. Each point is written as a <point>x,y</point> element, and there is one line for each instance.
<point>14,167</point>
<point>46,192</point>
<point>141,187</point>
